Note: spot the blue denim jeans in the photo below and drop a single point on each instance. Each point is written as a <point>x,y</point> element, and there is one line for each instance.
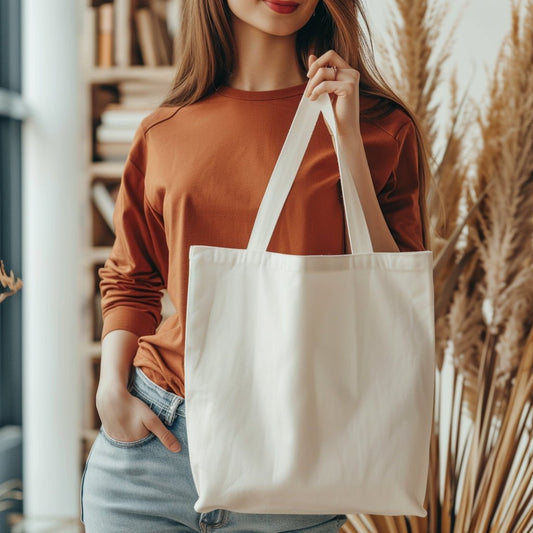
<point>142,487</point>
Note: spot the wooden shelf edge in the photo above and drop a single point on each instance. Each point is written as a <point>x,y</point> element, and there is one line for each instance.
<point>161,74</point>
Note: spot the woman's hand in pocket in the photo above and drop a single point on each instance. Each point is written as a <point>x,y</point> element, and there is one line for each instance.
<point>127,418</point>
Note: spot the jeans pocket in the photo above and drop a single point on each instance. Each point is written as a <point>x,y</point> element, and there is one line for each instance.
<point>157,409</point>
<point>126,444</point>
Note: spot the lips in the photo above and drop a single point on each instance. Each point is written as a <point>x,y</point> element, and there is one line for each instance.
<point>281,7</point>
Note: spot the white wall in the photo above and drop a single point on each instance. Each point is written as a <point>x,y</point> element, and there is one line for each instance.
<point>481,29</point>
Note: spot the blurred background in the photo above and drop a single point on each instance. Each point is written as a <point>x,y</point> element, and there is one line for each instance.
<point>77,76</point>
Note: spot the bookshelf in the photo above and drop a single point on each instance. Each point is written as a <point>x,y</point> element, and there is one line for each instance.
<point>127,52</point>
<point>134,73</point>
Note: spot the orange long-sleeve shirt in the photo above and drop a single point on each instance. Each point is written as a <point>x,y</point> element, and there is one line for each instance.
<point>196,175</point>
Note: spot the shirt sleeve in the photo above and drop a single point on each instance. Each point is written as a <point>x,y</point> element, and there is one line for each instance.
<point>132,277</point>
<point>399,198</point>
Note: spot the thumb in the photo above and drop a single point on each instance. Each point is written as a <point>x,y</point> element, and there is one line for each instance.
<point>310,60</point>
<point>156,426</point>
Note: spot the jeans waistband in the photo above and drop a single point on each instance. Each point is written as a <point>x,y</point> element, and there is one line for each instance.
<point>168,405</point>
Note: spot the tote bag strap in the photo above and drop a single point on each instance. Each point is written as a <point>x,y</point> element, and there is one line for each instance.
<point>285,171</point>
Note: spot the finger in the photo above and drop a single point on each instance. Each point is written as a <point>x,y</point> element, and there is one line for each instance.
<point>310,60</point>
<point>322,74</point>
<point>328,58</point>
<point>156,426</point>
<point>332,87</point>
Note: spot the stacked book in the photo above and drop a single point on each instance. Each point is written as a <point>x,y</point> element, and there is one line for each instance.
<point>134,32</point>
<point>119,120</point>
<point>115,132</point>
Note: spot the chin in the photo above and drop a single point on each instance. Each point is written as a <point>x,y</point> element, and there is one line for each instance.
<point>279,18</point>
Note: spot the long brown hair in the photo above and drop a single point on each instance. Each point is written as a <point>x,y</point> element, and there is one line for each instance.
<point>206,51</point>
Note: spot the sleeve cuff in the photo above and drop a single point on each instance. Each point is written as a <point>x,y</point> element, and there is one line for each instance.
<point>139,322</point>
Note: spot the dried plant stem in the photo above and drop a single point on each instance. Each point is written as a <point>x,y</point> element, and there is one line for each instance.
<point>507,443</point>
<point>474,463</point>
<point>12,283</point>
<point>432,495</point>
<point>525,525</point>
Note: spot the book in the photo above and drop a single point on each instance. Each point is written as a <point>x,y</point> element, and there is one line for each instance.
<point>105,35</point>
<point>112,151</point>
<point>123,23</point>
<point>104,203</point>
<point>134,93</point>
<point>107,133</point>
<point>146,36</point>
<point>162,39</point>
<point>116,115</point>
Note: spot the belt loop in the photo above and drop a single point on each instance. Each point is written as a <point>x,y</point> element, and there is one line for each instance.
<point>172,412</point>
<point>165,402</point>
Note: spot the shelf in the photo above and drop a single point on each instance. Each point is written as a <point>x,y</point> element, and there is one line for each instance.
<point>107,169</point>
<point>137,73</point>
<point>135,88</point>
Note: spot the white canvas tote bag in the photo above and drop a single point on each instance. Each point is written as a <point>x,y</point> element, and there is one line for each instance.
<point>309,380</point>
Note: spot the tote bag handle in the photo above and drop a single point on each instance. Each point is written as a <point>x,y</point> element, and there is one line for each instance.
<point>287,166</point>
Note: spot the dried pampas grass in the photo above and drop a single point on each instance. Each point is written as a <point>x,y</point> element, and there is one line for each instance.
<point>483,272</point>
<point>502,235</point>
<point>417,71</point>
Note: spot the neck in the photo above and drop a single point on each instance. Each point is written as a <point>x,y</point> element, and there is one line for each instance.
<point>264,62</point>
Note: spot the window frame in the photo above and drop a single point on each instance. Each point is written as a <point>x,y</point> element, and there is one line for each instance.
<point>13,112</point>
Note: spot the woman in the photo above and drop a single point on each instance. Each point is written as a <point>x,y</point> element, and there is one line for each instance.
<point>196,173</point>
